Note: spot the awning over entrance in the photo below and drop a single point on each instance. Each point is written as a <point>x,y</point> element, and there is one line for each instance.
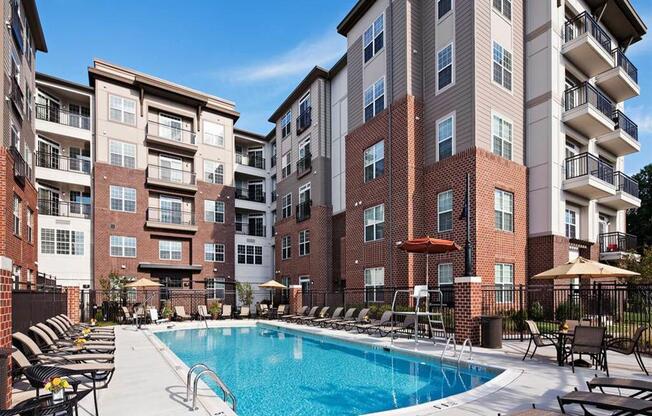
<point>165,266</point>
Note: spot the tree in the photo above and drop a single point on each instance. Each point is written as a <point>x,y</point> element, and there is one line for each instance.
<point>113,286</point>
<point>639,221</point>
<point>642,266</point>
<point>245,293</point>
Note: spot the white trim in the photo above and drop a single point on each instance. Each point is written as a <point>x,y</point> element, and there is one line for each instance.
<point>495,113</point>
<point>495,42</point>
<point>468,279</point>
<point>448,13</point>
<point>453,143</point>
<point>452,83</point>
<point>364,64</point>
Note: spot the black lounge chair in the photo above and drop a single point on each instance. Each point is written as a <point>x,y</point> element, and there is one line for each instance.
<point>376,325</point>
<point>311,313</point>
<point>362,317</point>
<point>538,339</point>
<point>333,323</point>
<point>301,312</point>
<point>622,404</point>
<point>629,346</point>
<point>641,389</point>
<point>309,319</point>
<point>406,326</point>
<point>337,313</point>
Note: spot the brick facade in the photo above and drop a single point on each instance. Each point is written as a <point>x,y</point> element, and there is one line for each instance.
<point>546,252</point>
<point>5,333</point>
<point>73,303</point>
<point>339,250</point>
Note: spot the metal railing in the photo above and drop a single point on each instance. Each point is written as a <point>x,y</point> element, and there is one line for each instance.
<point>620,60</point>
<point>304,120</point>
<point>245,229</point>
<point>16,24</point>
<point>171,175</point>
<point>22,169</point>
<point>246,194</point>
<point>584,23</point>
<point>60,162</point>
<point>274,195</point>
<point>616,241</point>
<point>626,184</point>
<point>16,94</point>
<point>61,116</point>
<point>586,93</point>
<point>255,161</point>
<point>170,216</point>
<point>59,208</point>
<point>304,164</point>
<point>303,210</point>
<point>626,124</point>
<point>174,134</point>
<point>587,164</point>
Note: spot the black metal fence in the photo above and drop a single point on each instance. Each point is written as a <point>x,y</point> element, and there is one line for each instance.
<point>30,307</point>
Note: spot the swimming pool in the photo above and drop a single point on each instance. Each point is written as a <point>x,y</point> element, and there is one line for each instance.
<point>283,372</point>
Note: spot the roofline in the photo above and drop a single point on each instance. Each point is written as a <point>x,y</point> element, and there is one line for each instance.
<point>244,132</point>
<point>315,73</point>
<point>40,76</point>
<point>271,135</point>
<point>630,12</point>
<point>337,67</point>
<point>354,15</point>
<point>31,12</point>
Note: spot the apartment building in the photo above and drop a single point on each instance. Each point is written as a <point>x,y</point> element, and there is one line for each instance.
<point>22,37</point>
<point>64,148</point>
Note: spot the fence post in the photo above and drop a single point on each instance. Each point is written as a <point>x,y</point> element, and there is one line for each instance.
<point>520,300</point>
<point>600,304</point>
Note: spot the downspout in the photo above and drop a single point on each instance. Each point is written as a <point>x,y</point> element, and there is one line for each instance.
<point>390,76</point>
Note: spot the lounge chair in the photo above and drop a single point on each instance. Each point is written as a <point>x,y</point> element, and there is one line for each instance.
<point>626,405</point>
<point>589,340</point>
<point>337,313</point>
<point>68,341</point>
<point>362,317</point>
<point>202,312</point>
<point>406,326</point>
<point>35,353</point>
<point>538,339</point>
<point>348,315</point>
<point>226,311</point>
<point>51,346</point>
<point>641,389</point>
<point>375,325</point>
<point>311,313</point>
<point>180,313</point>
<point>127,316</point>
<point>301,312</point>
<point>262,310</point>
<point>69,333</point>
<point>244,312</point>
<point>82,325</point>
<point>69,328</point>
<point>629,346</point>
<point>280,311</point>
<point>309,319</point>
<point>154,318</point>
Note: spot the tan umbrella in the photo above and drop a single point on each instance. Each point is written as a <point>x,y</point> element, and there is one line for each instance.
<point>142,283</point>
<point>581,267</point>
<point>273,284</point>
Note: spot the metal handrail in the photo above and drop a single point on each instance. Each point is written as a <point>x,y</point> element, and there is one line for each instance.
<point>466,342</point>
<point>170,216</point>
<point>304,164</point>
<point>304,120</point>
<point>172,175</point>
<point>626,124</point>
<point>61,116</point>
<point>620,60</point>
<point>303,210</point>
<point>227,393</point>
<point>586,164</point>
<point>586,93</point>
<point>60,162</point>
<point>171,133</point>
<point>584,23</point>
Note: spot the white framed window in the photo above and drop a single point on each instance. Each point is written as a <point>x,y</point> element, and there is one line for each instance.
<point>502,137</point>
<point>374,223</point>
<point>122,199</point>
<point>64,242</point>
<point>504,208</point>
<point>214,134</point>
<point>445,211</point>
<point>122,154</point>
<point>214,211</point>
<point>502,67</point>
<point>214,252</point>
<point>30,225</point>
<point>504,7</point>
<point>286,124</point>
<point>286,247</point>
<point>48,241</point>
<point>571,221</point>
<point>374,99</point>
<point>445,69</point>
<point>215,288</point>
<point>286,165</point>
<point>304,192</point>
<point>374,282</point>
<point>250,254</point>
<point>443,8</point>
<point>504,277</point>
<point>374,38</point>
<point>122,109</point>
<point>374,161</point>
<point>286,208</point>
<point>169,250</point>
<point>446,137</point>
<point>17,215</point>
<point>213,172</point>
<point>445,274</point>
<point>304,148</point>
<point>304,242</point>
<point>121,246</point>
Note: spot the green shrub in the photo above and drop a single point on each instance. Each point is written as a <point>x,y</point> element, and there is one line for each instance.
<point>99,316</point>
<point>536,311</point>
<point>167,312</point>
<point>215,310</point>
<point>568,310</point>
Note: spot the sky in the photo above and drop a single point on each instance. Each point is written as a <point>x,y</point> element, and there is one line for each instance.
<point>253,53</point>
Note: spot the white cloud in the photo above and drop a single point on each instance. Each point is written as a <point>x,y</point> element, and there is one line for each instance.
<point>641,115</point>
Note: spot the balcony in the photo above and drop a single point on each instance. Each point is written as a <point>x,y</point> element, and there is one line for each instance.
<point>304,165</point>
<point>627,193</point>
<point>250,195</point>
<point>254,230</point>
<point>22,170</point>
<point>64,117</point>
<point>587,45</point>
<point>303,211</point>
<point>171,219</point>
<point>624,139</point>
<point>615,245</point>
<point>588,111</point>
<point>167,177</point>
<point>16,25</point>
<point>59,168</point>
<point>58,208</point>
<point>255,161</point>
<point>588,176</point>
<point>171,137</point>
<point>304,120</point>
<point>621,81</point>
<point>274,196</point>
<point>16,94</point>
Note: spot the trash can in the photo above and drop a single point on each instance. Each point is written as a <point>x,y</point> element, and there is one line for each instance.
<point>491,334</point>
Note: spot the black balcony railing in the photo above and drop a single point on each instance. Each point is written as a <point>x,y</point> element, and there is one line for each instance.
<point>626,184</point>
<point>255,161</point>
<point>257,195</point>
<point>304,120</point>
<point>172,133</point>
<point>628,126</point>
<point>586,93</point>
<point>256,230</point>
<point>274,196</point>
<point>60,116</point>
<point>587,164</point>
<point>65,163</point>
<point>614,242</point>
<point>170,175</point>
<point>170,216</point>
<point>304,164</point>
<point>22,169</point>
<point>584,23</point>
<point>59,208</point>
<point>16,94</point>
<point>622,61</point>
<point>16,24</point>
<point>303,210</point>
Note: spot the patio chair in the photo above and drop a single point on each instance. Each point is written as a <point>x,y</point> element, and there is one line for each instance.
<point>301,312</point>
<point>180,313</point>
<point>308,319</point>
<point>336,320</point>
<point>406,326</point>
<point>154,318</point>
<point>362,317</point>
<point>127,316</point>
<point>244,312</point>
<point>70,327</point>
<point>641,389</point>
<point>336,314</point>
<point>621,404</point>
<point>226,311</point>
<point>629,346</point>
<point>538,339</point>
<point>51,346</point>
<point>280,311</point>
<point>67,333</point>
<point>375,325</point>
<point>82,325</point>
<point>589,340</point>
<point>68,341</point>
<point>262,310</point>
<point>310,313</point>
<point>35,353</point>
<point>202,312</point>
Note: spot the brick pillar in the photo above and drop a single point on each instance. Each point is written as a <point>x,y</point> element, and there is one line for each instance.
<point>296,298</point>
<point>468,307</point>
<point>73,301</point>
<point>5,332</point>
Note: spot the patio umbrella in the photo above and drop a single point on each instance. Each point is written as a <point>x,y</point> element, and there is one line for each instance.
<point>428,246</point>
<point>581,267</point>
<point>273,284</point>
<point>143,283</point>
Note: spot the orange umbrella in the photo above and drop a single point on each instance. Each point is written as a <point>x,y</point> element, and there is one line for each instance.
<point>428,246</point>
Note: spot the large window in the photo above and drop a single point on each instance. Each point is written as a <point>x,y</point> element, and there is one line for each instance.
<point>445,137</point>
<point>122,246</point>
<point>215,288</point>
<point>571,221</point>
<point>122,154</point>
<point>286,165</point>
<point>64,242</point>
<point>17,216</point>
<point>214,252</point>
<point>374,161</point>
<point>214,211</point>
<point>502,137</point>
<point>169,250</point>
<point>286,208</point>
<point>445,73</point>
<point>214,134</point>
<point>504,275</point>
<point>286,247</point>
<point>304,242</point>
<point>30,225</point>
<point>123,199</point>
<point>445,211</point>
<point>250,254</point>
<point>213,172</point>
<point>443,7</point>
<point>374,38</point>
<point>502,66</point>
<point>374,223</point>
<point>374,99</point>
<point>122,109</point>
<point>374,281</point>
<point>504,7</point>
<point>286,124</point>
<point>504,208</point>
<point>445,274</point>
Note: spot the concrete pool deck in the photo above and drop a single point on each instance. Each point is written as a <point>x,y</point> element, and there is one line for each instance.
<point>150,380</point>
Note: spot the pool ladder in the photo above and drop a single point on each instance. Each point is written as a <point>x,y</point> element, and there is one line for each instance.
<point>467,343</point>
<point>204,370</point>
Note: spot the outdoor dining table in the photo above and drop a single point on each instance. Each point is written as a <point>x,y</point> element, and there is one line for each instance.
<point>562,335</point>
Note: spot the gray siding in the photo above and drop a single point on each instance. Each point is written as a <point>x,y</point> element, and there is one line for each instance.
<point>397,52</point>
<point>354,81</point>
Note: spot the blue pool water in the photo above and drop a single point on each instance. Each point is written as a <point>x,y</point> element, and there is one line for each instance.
<point>281,372</point>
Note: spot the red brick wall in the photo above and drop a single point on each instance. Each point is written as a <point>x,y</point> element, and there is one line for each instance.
<point>546,252</point>
<point>468,308</point>
<point>339,249</point>
<point>73,303</point>
<point>5,338</point>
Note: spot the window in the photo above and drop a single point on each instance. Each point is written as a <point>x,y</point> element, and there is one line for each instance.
<point>374,38</point>
<point>504,275</point>
<point>169,250</point>
<point>304,242</point>
<point>374,281</point>
<point>213,172</point>
<point>374,99</point>
<point>215,288</point>
<point>502,137</point>
<point>286,247</point>
<point>286,165</point>
<point>504,207</point>
<point>502,66</point>
<point>445,274</point>
<point>374,223</point>
<point>249,254</point>
<point>16,272</point>
<point>123,199</point>
<point>445,67</point>
<point>122,154</point>
<point>571,223</point>
<point>445,134</point>
<point>213,134</point>
<point>445,211</point>
<point>214,211</point>
<point>122,109</point>
<point>286,210</point>
<point>374,161</point>
<point>504,7</point>
<point>286,124</point>
<point>443,7</point>
<point>64,242</point>
<point>17,216</point>
<point>273,157</point>
<point>48,241</point>
<point>122,246</point>
<point>214,252</point>
<point>30,225</point>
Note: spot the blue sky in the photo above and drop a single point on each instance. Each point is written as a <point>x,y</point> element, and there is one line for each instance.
<point>253,53</point>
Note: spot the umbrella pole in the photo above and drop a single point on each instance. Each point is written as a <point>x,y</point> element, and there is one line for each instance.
<point>427,265</point>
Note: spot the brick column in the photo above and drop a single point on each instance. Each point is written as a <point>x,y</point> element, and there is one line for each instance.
<point>296,298</point>
<point>73,301</point>
<point>468,308</point>
<point>5,332</point>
